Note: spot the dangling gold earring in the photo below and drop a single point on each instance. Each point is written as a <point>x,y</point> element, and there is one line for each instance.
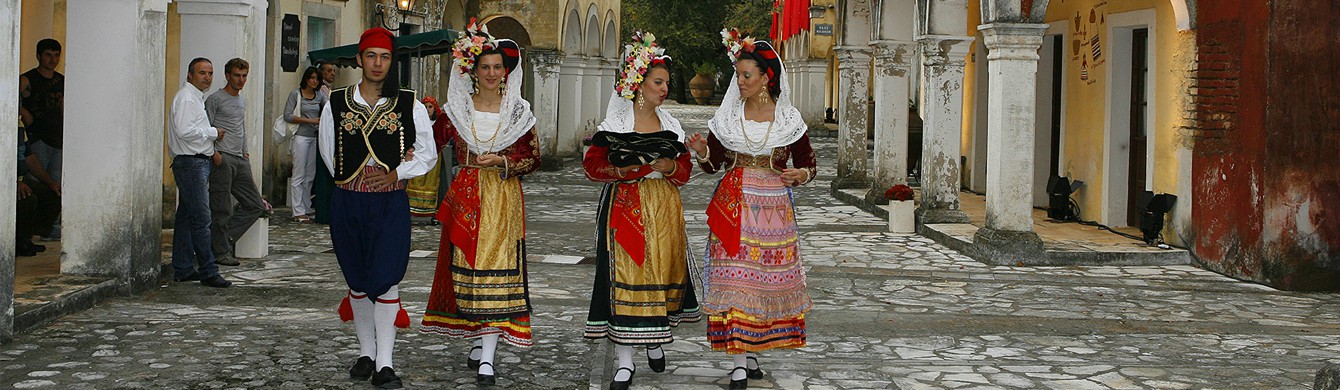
<point>763,96</point>
<point>502,87</point>
<point>641,101</point>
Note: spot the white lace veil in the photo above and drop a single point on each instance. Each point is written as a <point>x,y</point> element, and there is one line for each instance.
<point>787,125</point>
<point>514,116</point>
<point>619,118</point>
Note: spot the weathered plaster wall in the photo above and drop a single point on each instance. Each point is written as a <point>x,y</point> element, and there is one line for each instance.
<point>1086,109</point>
<point>1266,136</point>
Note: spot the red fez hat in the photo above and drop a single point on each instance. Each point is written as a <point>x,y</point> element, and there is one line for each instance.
<point>376,37</point>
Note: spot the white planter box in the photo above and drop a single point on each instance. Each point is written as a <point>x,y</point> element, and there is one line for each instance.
<point>902,216</point>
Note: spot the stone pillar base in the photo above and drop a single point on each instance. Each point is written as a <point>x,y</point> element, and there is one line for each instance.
<point>1005,247</point>
<point>848,182</point>
<point>1328,378</point>
<point>927,216</point>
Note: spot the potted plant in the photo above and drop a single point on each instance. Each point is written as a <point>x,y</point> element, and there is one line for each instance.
<point>702,85</point>
<point>902,209</point>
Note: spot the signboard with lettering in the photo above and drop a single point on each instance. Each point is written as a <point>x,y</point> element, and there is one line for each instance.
<point>823,29</point>
<point>288,42</point>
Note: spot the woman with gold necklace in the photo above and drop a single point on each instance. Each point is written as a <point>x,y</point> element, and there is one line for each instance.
<point>480,290</point>
<point>641,289</point>
<point>754,284</point>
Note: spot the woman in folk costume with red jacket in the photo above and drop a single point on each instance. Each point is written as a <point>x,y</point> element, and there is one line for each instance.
<point>642,287</point>
<point>480,290</point>
<point>754,284</point>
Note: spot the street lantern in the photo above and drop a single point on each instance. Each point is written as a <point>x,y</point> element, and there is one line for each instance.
<point>398,14</point>
<point>817,11</point>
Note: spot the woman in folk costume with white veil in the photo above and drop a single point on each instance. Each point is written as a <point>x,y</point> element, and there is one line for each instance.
<point>754,284</point>
<point>480,288</point>
<point>642,287</point>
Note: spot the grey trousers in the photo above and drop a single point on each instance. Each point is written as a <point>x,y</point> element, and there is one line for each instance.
<point>234,203</point>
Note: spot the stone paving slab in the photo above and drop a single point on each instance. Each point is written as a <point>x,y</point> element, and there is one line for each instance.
<point>892,312</point>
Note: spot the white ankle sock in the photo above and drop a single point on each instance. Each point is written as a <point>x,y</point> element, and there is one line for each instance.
<point>363,324</point>
<point>624,354</point>
<point>736,375</point>
<point>655,352</point>
<point>476,349</point>
<point>387,307</point>
<point>490,344</point>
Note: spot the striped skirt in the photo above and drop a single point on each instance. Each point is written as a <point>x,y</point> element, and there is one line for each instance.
<point>756,300</point>
<point>492,295</point>
<point>635,304</point>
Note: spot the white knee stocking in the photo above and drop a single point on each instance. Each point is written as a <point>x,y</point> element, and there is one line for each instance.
<point>387,307</point>
<point>363,326</point>
<point>490,344</point>
<point>624,354</point>
<point>736,375</point>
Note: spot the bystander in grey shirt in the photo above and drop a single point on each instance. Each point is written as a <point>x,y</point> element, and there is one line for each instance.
<point>228,112</point>
<point>311,108</point>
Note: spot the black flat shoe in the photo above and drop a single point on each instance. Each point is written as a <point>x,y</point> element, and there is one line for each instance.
<point>192,277</point>
<point>472,362</point>
<point>754,373</point>
<point>486,380</point>
<point>362,369</point>
<point>386,379</point>
<point>657,365</point>
<point>216,281</point>
<point>623,385</point>
<point>739,384</point>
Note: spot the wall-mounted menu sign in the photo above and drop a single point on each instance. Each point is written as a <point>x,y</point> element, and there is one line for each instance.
<point>288,42</point>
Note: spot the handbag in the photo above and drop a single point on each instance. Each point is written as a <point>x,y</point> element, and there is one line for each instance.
<point>639,149</point>
<point>283,130</point>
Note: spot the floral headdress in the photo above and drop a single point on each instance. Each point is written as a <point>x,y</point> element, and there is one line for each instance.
<point>735,42</point>
<point>638,56</point>
<point>467,48</point>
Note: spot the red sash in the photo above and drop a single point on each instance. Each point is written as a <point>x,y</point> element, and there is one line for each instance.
<point>723,212</point>
<point>460,213</point>
<point>626,220</point>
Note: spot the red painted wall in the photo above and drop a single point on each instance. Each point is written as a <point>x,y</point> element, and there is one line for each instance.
<point>1265,165</point>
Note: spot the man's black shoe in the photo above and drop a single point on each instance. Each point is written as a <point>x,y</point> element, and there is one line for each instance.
<point>24,252</point>
<point>216,281</point>
<point>386,379</point>
<point>362,369</point>
<point>188,278</point>
<point>226,259</point>
<point>28,244</point>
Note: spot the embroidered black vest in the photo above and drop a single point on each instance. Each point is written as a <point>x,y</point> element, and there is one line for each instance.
<point>381,134</point>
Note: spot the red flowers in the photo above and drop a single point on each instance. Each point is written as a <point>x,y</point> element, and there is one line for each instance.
<point>899,192</point>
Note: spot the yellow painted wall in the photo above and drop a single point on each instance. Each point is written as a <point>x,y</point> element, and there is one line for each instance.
<point>1085,101</point>
<point>41,19</point>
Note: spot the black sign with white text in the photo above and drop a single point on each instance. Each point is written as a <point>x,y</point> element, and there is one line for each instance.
<point>288,42</point>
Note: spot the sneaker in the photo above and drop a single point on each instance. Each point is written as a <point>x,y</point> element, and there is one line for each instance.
<point>192,277</point>
<point>226,259</point>
<point>386,379</point>
<point>216,281</point>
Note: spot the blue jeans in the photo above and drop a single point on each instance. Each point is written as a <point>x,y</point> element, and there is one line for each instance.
<point>190,234</point>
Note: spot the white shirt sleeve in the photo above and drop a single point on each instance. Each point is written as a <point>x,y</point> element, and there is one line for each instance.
<point>425,150</point>
<point>190,122</point>
<point>325,138</point>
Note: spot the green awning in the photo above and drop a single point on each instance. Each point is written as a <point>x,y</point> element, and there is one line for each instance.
<point>414,45</point>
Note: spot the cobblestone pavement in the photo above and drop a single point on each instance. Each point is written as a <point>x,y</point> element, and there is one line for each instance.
<point>892,311</point>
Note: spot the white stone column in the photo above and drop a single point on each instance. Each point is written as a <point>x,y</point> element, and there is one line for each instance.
<point>10,11</point>
<point>570,106</point>
<point>893,64</point>
<point>609,67</point>
<point>853,98</point>
<point>1012,64</point>
<point>942,62</point>
<point>221,30</point>
<point>112,199</point>
<point>591,95</point>
<point>807,88</point>
<point>546,87</point>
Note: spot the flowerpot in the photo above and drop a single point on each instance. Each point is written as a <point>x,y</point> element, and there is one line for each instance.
<point>902,216</point>
<point>701,87</point>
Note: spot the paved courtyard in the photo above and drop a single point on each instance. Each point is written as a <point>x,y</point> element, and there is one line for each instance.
<point>891,312</point>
